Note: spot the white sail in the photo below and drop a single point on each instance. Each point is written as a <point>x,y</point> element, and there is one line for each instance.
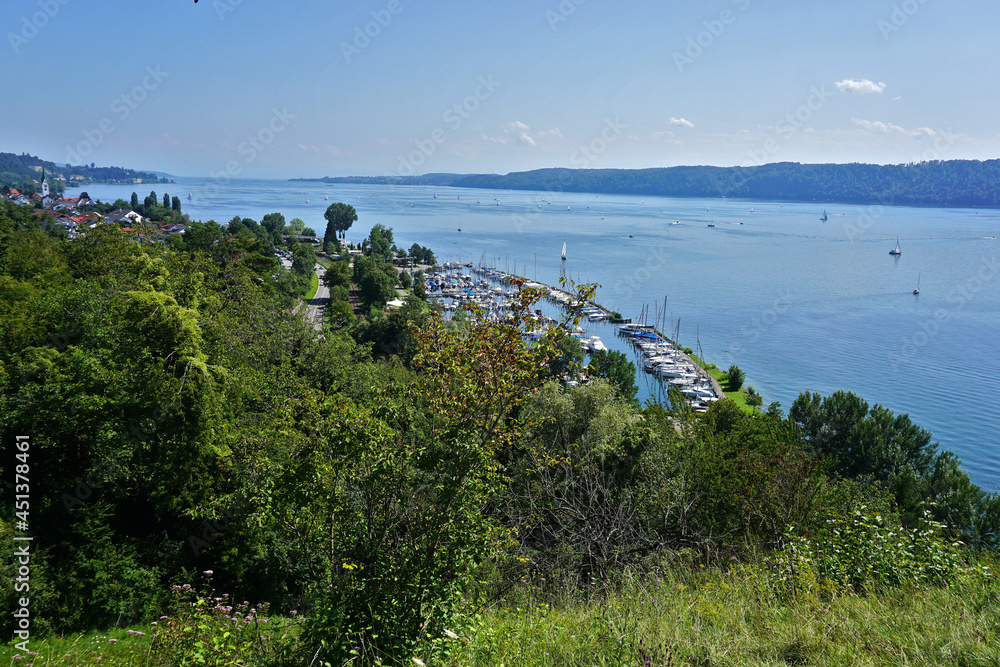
<point>564,250</point>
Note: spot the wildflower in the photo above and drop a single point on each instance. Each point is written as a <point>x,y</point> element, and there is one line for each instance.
<point>153,623</point>
<point>418,662</point>
<point>450,635</point>
<point>208,572</point>
<point>294,612</point>
<point>113,641</point>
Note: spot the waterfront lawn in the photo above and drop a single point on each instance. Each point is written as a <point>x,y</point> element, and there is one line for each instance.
<point>739,397</point>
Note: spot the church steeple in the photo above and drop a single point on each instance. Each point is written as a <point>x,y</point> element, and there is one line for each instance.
<point>45,184</point>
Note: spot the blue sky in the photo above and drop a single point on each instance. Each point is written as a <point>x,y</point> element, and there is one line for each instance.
<point>382,87</point>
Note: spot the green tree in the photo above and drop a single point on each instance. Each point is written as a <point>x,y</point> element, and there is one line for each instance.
<point>303,259</point>
<point>734,378</point>
<point>569,358</point>
<point>134,205</point>
<point>375,289</point>
<point>175,204</point>
<point>166,200</point>
<point>380,242</point>
<point>338,274</point>
<point>274,224</point>
<point>339,218</point>
<point>419,289</point>
<point>295,226</point>
<point>614,367</point>
<point>754,399</point>
<point>308,231</point>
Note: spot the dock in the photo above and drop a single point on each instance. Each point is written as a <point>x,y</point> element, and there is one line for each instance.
<point>659,356</point>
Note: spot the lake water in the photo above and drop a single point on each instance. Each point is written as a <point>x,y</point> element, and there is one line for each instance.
<point>799,304</point>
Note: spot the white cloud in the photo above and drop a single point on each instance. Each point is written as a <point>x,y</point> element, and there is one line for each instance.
<point>859,86</point>
<point>878,127</point>
<point>521,133</point>
<point>682,122</point>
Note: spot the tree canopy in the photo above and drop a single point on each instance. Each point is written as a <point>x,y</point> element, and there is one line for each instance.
<point>339,218</point>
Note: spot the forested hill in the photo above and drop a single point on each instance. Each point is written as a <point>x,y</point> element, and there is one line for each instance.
<point>938,183</point>
<point>24,173</point>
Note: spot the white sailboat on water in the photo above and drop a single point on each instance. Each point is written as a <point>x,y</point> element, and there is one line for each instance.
<point>896,250</point>
<point>824,218</point>
<point>564,251</point>
<point>917,290</point>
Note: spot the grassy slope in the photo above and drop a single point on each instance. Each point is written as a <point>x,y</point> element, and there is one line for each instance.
<point>684,617</point>
<point>715,618</point>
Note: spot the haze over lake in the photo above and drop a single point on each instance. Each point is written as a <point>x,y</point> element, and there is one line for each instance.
<point>798,303</point>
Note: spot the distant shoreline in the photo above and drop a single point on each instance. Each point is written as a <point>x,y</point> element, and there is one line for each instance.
<point>940,184</point>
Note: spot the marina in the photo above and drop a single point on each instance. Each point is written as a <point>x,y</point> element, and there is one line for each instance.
<point>491,290</point>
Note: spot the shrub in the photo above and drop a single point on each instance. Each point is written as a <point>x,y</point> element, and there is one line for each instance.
<point>863,552</point>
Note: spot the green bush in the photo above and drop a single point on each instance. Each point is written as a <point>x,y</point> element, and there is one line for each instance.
<point>863,552</point>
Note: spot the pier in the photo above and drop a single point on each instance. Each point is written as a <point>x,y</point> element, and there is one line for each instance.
<point>658,355</point>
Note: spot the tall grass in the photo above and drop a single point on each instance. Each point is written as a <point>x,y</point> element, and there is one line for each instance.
<point>712,617</point>
<point>681,614</point>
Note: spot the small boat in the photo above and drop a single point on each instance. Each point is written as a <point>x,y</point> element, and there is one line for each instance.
<point>564,251</point>
<point>711,225</point>
<point>630,236</point>
<point>567,208</point>
<point>189,196</point>
<point>307,201</point>
<point>917,290</point>
<point>459,229</point>
<point>327,198</point>
<point>751,210</point>
<point>824,218</point>
<point>676,222</point>
<point>435,195</point>
<point>896,251</point>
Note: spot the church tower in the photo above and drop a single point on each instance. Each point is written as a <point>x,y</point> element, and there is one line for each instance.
<point>45,184</point>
